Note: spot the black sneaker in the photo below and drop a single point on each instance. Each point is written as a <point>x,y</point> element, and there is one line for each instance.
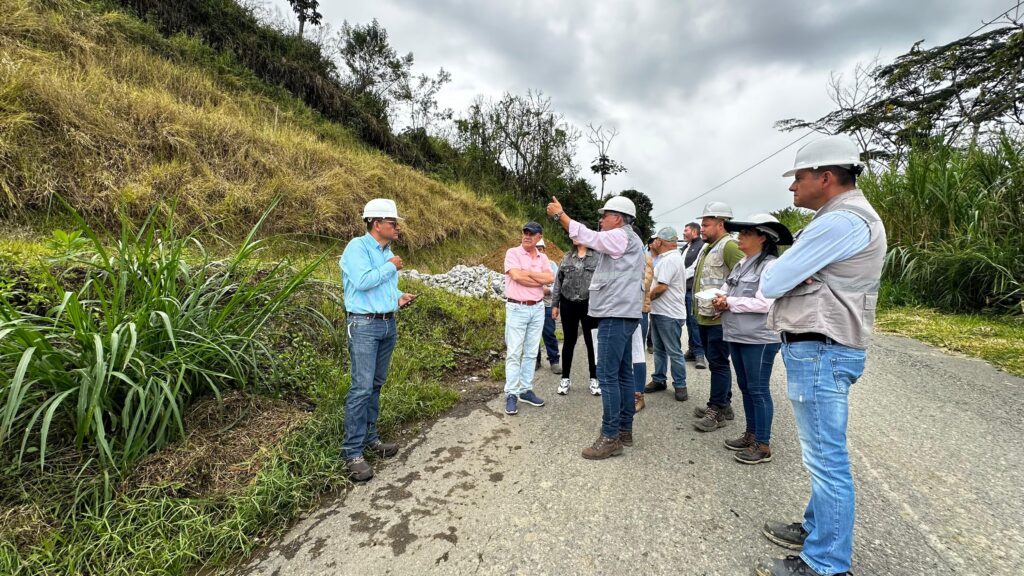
<point>788,566</point>
<point>653,386</point>
<point>728,412</point>
<point>689,357</point>
<point>790,536</point>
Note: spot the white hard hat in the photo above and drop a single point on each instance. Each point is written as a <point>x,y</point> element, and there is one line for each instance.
<point>767,224</point>
<point>717,210</point>
<point>828,151</point>
<point>619,204</point>
<point>540,243</point>
<point>381,208</point>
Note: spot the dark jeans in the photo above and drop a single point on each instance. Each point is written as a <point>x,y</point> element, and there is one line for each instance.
<point>667,334</point>
<point>615,374</point>
<point>717,352</point>
<point>574,315</point>
<point>693,345</point>
<point>753,365</point>
<point>550,341</point>
<point>370,344</point>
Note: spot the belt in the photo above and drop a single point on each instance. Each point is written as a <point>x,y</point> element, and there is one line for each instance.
<point>788,337</point>
<point>381,316</point>
<point>523,302</point>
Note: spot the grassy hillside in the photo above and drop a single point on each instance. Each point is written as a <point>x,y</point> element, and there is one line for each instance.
<point>99,108</point>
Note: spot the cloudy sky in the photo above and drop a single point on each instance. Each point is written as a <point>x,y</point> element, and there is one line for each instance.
<point>693,86</point>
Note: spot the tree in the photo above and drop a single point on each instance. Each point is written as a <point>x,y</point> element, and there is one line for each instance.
<point>643,212</point>
<point>603,164</point>
<point>374,66</point>
<point>951,94</point>
<point>306,10</point>
<point>419,95</point>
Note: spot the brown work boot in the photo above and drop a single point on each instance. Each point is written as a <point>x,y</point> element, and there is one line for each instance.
<point>638,401</point>
<point>358,469</point>
<point>741,443</point>
<point>756,453</point>
<point>728,412</point>
<point>382,449</point>
<point>712,420</point>
<point>603,447</point>
<point>626,438</point>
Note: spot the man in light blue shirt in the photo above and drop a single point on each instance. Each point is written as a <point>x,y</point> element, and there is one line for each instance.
<point>369,274</point>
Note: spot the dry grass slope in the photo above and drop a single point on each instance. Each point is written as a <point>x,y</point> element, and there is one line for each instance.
<point>91,113</point>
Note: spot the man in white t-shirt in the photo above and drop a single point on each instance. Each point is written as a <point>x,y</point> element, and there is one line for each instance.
<point>668,314</point>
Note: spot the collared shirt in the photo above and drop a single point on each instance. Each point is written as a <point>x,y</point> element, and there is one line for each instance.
<point>610,242</point>
<point>573,279</point>
<point>832,237</point>
<point>518,258</point>
<point>370,281</point>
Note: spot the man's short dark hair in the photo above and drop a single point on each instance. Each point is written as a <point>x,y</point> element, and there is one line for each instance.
<point>694,226</point>
<point>843,176</point>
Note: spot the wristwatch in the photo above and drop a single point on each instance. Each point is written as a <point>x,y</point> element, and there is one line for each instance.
<point>557,216</point>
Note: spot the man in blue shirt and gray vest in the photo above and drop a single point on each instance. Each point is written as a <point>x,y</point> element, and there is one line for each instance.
<point>369,274</point>
<point>826,288</point>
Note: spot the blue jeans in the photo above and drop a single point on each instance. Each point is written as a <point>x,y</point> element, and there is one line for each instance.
<point>693,345</point>
<point>753,365</point>
<point>550,341</point>
<point>615,374</point>
<point>717,353</point>
<point>666,332</point>
<point>523,326</point>
<point>370,344</point>
<point>819,378</point>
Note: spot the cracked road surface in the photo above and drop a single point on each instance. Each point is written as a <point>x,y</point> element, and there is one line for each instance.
<point>935,444</point>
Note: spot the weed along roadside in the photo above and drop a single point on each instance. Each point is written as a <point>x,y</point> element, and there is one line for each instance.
<point>244,443</point>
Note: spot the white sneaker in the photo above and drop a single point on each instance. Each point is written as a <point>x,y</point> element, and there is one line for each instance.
<point>563,386</point>
<point>595,388</point>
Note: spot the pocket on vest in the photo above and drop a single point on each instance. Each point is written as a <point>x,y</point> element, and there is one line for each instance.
<point>802,305</point>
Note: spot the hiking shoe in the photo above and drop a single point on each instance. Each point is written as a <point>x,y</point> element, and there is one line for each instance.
<point>788,566</point>
<point>511,404</point>
<point>563,386</point>
<point>712,420</point>
<point>741,443</point>
<point>626,438</point>
<point>682,395</point>
<point>595,388</point>
<point>556,368</point>
<point>728,412</point>
<point>689,357</point>
<point>653,386</point>
<point>603,447</point>
<point>530,398</point>
<point>638,403</point>
<point>756,453</point>
<point>358,469</point>
<point>701,363</point>
<point>382,449</point>
<point>790,536</point>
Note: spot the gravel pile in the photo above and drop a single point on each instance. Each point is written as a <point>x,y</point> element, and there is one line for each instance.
<point>478,281</point>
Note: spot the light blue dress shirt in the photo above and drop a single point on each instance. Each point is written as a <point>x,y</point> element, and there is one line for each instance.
<point>370,281</point>
<point>832,237</point>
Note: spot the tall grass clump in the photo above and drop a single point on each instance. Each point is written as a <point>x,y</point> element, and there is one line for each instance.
<point>955,221</point>
<point>139,329</point>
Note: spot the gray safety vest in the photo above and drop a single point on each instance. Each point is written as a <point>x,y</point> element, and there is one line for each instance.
<point>617,288</point>
<point>841,299</point>
<point>713,273</point>
<point>747,327</point>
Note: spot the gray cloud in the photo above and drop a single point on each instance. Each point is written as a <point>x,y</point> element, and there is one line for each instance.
<point>694,86</point>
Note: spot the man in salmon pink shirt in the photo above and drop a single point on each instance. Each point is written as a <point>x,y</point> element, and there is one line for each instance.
<point>527,271</point>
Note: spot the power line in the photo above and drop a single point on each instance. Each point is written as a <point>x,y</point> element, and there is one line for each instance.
<point>993,21</point>
<point>748,169</point>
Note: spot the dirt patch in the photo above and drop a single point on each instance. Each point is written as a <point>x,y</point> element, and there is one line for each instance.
<point>220,453</point>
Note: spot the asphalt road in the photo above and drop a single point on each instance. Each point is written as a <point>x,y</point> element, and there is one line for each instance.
<point>936,448</point>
